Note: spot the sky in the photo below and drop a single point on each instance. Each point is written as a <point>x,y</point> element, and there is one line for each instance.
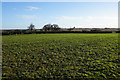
<point>19,15</point>
<point>60,0</point>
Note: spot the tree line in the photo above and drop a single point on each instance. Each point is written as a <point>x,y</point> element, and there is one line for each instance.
<point>47,27</point>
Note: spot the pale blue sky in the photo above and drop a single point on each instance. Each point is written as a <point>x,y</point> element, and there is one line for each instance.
<point>60,0</point>
<point>18,15</point>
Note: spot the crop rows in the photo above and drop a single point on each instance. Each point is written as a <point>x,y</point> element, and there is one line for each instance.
<point>60,56</point>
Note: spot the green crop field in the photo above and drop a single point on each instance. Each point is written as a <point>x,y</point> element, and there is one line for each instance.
<point>60,56</point>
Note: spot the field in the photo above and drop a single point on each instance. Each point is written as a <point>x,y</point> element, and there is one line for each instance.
<point>60,56</point>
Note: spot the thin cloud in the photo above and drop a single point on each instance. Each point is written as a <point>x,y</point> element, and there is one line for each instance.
<point>27,16</point>
<point>88,21</point>
<point>14,8</point>
<point>32,8</point>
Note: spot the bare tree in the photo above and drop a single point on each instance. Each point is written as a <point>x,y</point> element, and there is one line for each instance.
<point>31,27</point>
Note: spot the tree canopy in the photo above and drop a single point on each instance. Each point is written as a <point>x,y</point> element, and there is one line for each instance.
<point>49,27</point>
